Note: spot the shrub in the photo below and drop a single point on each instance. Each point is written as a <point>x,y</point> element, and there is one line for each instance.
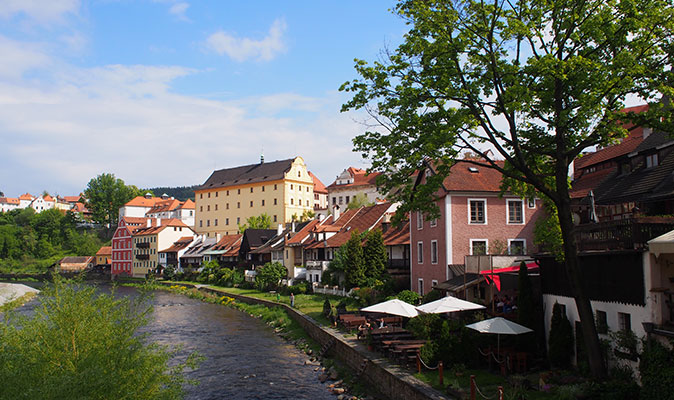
<point>327,308</point>
<point>560,343</point>
<point>431,296</point>
<point>656,366</point>
<point>269,276</point>
<point>409,296</point>
<point>82,344</point>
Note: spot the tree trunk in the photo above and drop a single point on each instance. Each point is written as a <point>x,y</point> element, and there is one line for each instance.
<point>583,305</point>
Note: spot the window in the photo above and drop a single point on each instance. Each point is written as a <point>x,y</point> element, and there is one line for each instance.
<point>531,202</point>
<point>601,321</point>
<point>334,201</point>
<point>347,199</point>
<point>434,223</point>
<point>652,160</point>
<point>216,222</point>
<point>251,190</point>
<point>263,188</point>
<point>208,222</point>
<point>238,191</point>
<point>201,208</point>
<point>478,247</point>
<point>201,224</point>
<point>516,247</point>
<point>274,186</point>
<point>209,195</point>
<point>228,193</point>
<point>299,174</point>
<point>515,212</point>
<point>263,202</point>
<point>227,206</point>
<point>238,220</point>
<point>201,195</point>
<point>191,213</point>
<point>274,216</point>
<point>291,186</point>
<point>434,251</point>
<point>238,204</point>
<point>477,211</point>
<point>299,201</point>
<point>434,283</point>
<point>274,201</point>
<point>291,201</point>
<point>420,252</point>
<point>208,208</point>
<point>340,200</point>
<point>421,286</point>
<point>251,203</point>
<point>624,321</point>
<point>216,194</point>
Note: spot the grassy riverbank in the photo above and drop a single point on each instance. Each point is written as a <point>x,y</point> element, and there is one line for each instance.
<point>18,302</point>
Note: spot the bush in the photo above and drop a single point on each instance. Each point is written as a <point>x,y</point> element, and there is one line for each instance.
<point>327,308</point>
<point>656,366</point>
<point>409,296</point>
<point>82,344</point>
<point>560,342</point>
<point>431,296</point>
<point>269,276</point>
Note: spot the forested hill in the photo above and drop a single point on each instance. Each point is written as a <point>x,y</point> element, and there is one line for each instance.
<point>181,193</point>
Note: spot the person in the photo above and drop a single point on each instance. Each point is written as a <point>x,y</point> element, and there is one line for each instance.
<point>292,300</point>
<point>381,323</point>
<point>278,296</point>
<point>363,329</point>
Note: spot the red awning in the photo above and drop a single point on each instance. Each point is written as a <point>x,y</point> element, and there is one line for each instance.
<point>490,275</point>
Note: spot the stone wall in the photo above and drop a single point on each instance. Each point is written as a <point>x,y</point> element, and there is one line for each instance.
<point>391,381</point>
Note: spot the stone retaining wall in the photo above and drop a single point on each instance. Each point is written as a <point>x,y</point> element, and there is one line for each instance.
<point>388,380</point>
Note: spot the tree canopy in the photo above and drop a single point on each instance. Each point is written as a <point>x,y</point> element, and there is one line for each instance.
<point>358,201</point>
<point>105,194</point>
<point>262,221</point>
<point>530,82</point>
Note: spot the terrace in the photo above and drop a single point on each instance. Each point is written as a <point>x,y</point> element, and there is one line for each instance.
<point>625,234</point>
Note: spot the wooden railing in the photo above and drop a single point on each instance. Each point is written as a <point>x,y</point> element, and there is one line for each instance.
<point>625,234</point>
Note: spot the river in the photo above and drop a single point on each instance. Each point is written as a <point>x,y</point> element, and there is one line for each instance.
<point>244,359</point>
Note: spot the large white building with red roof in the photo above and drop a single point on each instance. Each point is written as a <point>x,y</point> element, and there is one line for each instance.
<point>164,207</point>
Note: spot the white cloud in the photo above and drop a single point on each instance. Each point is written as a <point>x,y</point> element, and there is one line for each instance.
<point>20,57</point>
<point>242,49</point>
<point>42,11</point>
<point>179,9</point>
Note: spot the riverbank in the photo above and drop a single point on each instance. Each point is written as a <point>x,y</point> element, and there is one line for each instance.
<point>390,380</point>
<point>13,295</point>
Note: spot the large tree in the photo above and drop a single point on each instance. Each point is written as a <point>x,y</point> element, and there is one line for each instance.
<point>530,82</point>
<point>262,221</point>
<point>105,194</point>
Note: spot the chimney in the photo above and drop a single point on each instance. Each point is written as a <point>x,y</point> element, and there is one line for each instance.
<point>164,196</point>
<point>335,212</point>
<point>292,226</point>
<point>158,221</point>
<point>261,158</point>
<point>149,222</point>
<point>217,237</point>
<point>279,229</point>
<point>320,217</point>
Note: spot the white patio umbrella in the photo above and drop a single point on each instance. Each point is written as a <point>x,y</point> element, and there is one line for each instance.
<point>499,326</point>
<point>393,307</point>
<point>448,304</point>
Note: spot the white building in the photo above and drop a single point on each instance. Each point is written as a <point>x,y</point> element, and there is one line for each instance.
<point>352,182</point>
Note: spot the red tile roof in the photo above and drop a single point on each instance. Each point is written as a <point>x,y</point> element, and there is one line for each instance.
<point>188,205</point>
<point>179,244</point>
<point>104,251</point>
<point>304,232</point>
<point>589,181</point>
<point>9,200</point>
<point>141,201</point>
<point>26,196</point>
<point>228,241</point>
<point>468,177</point>
<point>70,199</point>
<point>396,236</point>
<point>48,198</point>
<point>319,187</point>
<point>360,178</point>
<point>173,222</point>
<point>164,205</point>
<point>363,219</point>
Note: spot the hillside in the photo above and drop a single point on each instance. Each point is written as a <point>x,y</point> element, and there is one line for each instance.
<point>181,193</point>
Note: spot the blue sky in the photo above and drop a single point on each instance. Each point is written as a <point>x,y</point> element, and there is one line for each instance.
<point>161,92</point>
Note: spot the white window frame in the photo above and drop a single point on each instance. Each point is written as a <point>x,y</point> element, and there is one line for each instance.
<point>433,223</point>
<point>621,321</point>
<point>434,242</point>
<point>420,286</point>
<point>486,244</point>
<point>652,160</point>
<point>420,252</point>
<point>434,283</point>
<point>508,201</point>
<point>484,201</point>
<point>420,221</point>
<point>517,240</point>
<point>531,203</point>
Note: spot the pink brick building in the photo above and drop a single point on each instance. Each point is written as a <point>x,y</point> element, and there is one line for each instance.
<point>473,220</point>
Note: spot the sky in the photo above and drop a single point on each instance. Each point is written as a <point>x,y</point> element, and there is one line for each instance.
<point>163,92</point>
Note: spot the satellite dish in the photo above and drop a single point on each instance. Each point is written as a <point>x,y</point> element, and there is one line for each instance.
<point>576,219</point>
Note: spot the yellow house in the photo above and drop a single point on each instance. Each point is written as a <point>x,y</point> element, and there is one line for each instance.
<point>280,189</point>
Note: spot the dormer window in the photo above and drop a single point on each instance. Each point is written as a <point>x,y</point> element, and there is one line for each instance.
<point>652,160</point>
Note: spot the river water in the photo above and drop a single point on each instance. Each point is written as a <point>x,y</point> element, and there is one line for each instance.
<point>244,359</point>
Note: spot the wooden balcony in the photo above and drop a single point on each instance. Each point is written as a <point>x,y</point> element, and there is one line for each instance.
<point>625,234</point>
<point>399,263</point>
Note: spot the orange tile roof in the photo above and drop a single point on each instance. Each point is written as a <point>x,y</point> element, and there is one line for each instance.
<point>26,196</point>
<point>188,205</point>
<point>141,201</point>
<point>396,236</point>
<point>468,177</point>
<point>162,205</point>
<point>104,251</point>
<point>581,186</point>
<point>319,187</point>
<point>179,244</point>
<point>48,198</point>
<point>362,219</point>
<point>79,207</point>
<point>9,200</point>
<point>360,178</point>
<point>303,233</point>
<point>173,222</point>
<point>226,241</point>
<point>70,199</point>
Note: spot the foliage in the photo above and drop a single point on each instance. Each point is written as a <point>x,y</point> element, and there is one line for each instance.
<point>560,342</point>
<point>262,221</point>
<point>301,287</point>
<point>375,256</point>
<point>327,308</point>
<point>105,194</point>
<point>431,296</point>
<point>365,296</point>
<point>532,83</point>
<point>181,193</point>
<point>409,296</point>
<point>656,366</point>
<point>82,344</point>
<point>307,215</point>
<point>626,343</point>
<point>548,233</point>
<point>32,242</point>
<point>269,276</point>
<point>498,247</point>
<point>354,268</point>
<point>358,201</point>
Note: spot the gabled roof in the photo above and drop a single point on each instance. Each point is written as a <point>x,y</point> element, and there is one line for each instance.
<point>319,187</point>
<point>179,244</point>
<point>79,207</point>
<point>9,200</point>
<point>104,251</point>
<point>589,181</point>
<point>362,220</point>
<point>164,205</point>
<point>70,199</point>
<point>76,260</point>
<point>188,205</point>
<point>165,223</point>
<point>228,241</point>
<point>303,233</point>
<point>258,237</point>
<point>199,247</point>
<point>468,177</point>
<point>360,178</point>
<point>263,172</point>
<point>141,201</point>
<point>48,198</point>
<point>26,196</point>
<point>396,236</point>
